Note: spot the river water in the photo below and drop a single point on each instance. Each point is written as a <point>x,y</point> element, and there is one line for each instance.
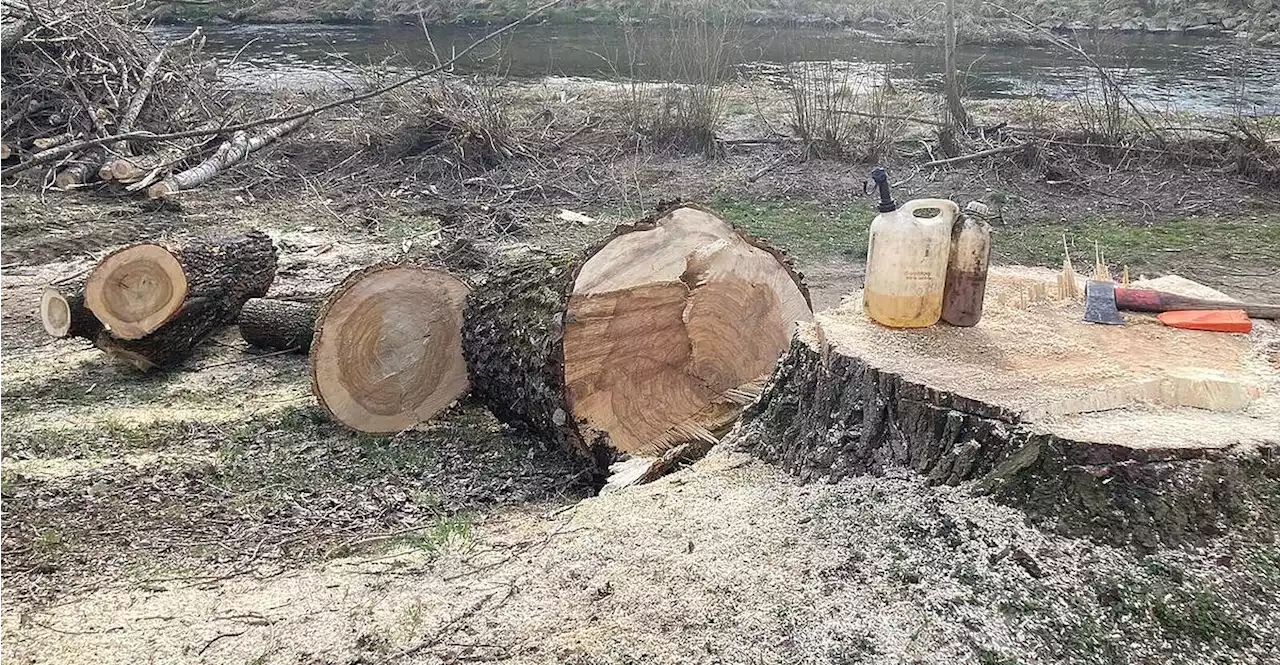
<point>1197,74</point>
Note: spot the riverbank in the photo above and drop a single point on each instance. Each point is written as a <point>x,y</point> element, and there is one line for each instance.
<point>911,21</point>
<point>215,514</point>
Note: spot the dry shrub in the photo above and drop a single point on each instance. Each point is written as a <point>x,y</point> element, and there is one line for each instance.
<point>1102,115</point>
<point>468,121</point>
<point>841,114</point>
<point>685,110</point>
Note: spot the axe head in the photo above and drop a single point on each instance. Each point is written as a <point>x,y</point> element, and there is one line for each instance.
<point>1100,303</point>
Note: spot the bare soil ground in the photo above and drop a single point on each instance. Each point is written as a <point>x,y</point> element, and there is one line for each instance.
<point>214,514</point>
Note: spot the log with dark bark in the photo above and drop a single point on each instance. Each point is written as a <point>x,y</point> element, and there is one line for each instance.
<point>137,289</point>
<point>166,348</point>
<point>278,325</point>
<point>1130,435</point>
<point>654,338</point>
<point>387,351</point>
<point>63,313</point>
<point>81,172</point>
<point>170,298</point>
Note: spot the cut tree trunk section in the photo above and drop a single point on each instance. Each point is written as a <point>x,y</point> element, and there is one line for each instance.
<point>139,288</point>
<point>654,338</point>
<point>278,325</point>
<point>387,351</point>
<point>63,313</point>
<point>1135,434</point>
<point>216,274</point>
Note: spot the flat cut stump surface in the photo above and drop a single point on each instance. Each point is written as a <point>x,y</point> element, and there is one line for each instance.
<point>1141,385</point>
<point>1136,434</point>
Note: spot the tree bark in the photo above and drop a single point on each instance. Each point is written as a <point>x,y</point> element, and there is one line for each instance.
<point>610,352</point>
<point>278,325</point>
<point>955,108</point>
<point>137,289</point>
<point>829,413</point>
<point>167,347</point>
<point>63,313</point>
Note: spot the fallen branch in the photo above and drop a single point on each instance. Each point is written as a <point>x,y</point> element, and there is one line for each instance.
<point>890,116</point>
<point>145,84</point>
<point>977,155</point>
<point>767,168</point>
<point>229,154</point>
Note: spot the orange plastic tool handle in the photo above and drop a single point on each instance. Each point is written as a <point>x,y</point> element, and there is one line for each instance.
<point>1214,320</point>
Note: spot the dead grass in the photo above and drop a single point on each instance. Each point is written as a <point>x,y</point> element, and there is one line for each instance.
<point>685,111</point>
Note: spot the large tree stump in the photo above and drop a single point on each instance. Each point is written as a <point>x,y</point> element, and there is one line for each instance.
<point>278,325</point>
<point>137,289</point>
<point>387,351</point>
<point>63,313</point>
<point>1138,434</point>
<point>191,288</point>
<point>651,339</point>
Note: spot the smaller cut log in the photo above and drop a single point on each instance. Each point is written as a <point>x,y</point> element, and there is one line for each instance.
<point>278,325</point>
<point>387,351</point>
<point>137,289</point>
<point>63,313</point>
<point>245,275</point>
<point>82,172</point>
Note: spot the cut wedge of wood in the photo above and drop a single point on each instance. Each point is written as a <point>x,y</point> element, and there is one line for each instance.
<point>664,322</point>
<point>387,350</point>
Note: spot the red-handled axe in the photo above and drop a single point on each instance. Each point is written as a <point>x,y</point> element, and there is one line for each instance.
<point>1103,299</point>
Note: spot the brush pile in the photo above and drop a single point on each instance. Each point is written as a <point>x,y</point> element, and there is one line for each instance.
<point>89,99</point>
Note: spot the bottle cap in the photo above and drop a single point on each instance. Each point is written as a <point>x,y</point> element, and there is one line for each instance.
<point>978,207</point>
<point>881,178</point>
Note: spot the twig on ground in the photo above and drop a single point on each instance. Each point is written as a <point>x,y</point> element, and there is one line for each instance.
<point>759,173</point>
<point>217,637</point>
<point>259,356</point>
<point>977,155</point>
<point>448,628</point>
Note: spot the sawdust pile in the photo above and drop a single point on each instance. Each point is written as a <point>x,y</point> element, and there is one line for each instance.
<point>728,562</point>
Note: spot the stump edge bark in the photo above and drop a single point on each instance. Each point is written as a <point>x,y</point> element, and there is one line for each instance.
<point>824,416</point>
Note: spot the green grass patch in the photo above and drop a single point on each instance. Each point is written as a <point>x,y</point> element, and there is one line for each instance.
<point>811,231</point>
<point>808,231</point>
<point>1251,241</point>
